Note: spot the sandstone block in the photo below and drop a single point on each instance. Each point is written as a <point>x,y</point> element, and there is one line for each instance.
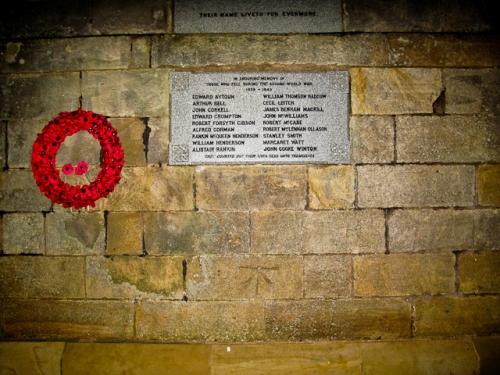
<point>415,186</point>
<point>394,91</point>
<point>488,348</point>
<point>42,277</point>
<point>3,151</point>
<point>31,357</point>
<point>200,321</point>
<point>158,140</point>
<point>277,232</point>
<point>331,187</point>
<point>79,233</point>
<point>244,277</point>
<point>403,274</point>
<point>196,232</point>
<point>23,233</point>
<point>134,277</point>
<point>447,139</point>
<point>372,139</point>
<point>340,319</point>
<point>250,187</point>
<point>38,95</point>
<point>138,93</point>
<point>140,52</point>
<point>479,272</point>
<point>80,146</point>
<point>488,182</point>
<point>124,233</point>
<point>487,229</point>
<point>327,276</point>
<point>66,320</point>
<point>450,316</point>
<point>19,192</point>
<point>131,133</point>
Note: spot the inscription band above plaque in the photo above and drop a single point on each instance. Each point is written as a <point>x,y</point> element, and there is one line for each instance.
<point>259,118</point>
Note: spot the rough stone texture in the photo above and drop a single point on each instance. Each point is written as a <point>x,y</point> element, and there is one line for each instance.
<point>331,187</point>
<point>153,189</point>
<point>243,188</point>
<point>3,139</point>
<point>403,274</point>
<point>341,319</point>
<point>135,93</point>
<point>372,139</point>
<point>158,140</point>
<point>80,146</point>
<point>447,139</point>
<point>38,95</point>
<point>479,272</point>
<point>42,277</point>
<point>124,233</point>
<point>19,192</point>
<point>415,186</point>
<point>45,55</point>
<point>131,133</point>
<point>79,233</point>
<point>31,358</point>
<point>196,232</point>
<point>443,50</point>
<point>277,232</point>
<point>23,233</point>
<point>200,321</point>
<point>327,276</point>
<point>394,91</point>
<point>488,348</point>
<point>488,182</point>
<point>134,277</point>
<point>487,229</point>
<point>209,50</point>
<point>140,53</point>
<point>141,359</point>
<point>471,91</point>
<point>53,319</point>
<point>427,229</point>
<point>445,316</point>
<point>244,277</point>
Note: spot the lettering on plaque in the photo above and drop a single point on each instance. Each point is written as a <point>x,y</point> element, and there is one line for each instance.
<point>270,118</point>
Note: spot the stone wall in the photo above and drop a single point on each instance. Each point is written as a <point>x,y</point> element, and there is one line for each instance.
<point>400,245</point>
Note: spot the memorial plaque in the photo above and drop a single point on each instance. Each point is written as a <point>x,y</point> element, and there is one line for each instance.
<point>269,118</point>
<point>257,16</point>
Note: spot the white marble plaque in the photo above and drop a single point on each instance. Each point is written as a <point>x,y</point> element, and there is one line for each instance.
<point>268,118</point>
<point>257,16</point>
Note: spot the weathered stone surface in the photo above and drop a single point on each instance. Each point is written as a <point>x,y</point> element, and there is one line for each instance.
<point>200,321</point>
<point>139,93</point>
<point>131,133</point>
<point>340,319</point>
<point>415,186</point>
<point>277,232</point>
<point>3,138</point>
<point>488,182</point>
<point>19,192</point>
<point>134,277</point>
<point>23,233</point>
<point>207,50</point>
<point>417,357</point>
<point>153,189</point>
<point>443,50</point>
<point>244,277</point>
<point>487,229</point>
<point>31,358</point>
<point>38,95</point>
<point>488,348</point>
<point>42,277</point>
<point>79,233</point>
<point>140,52</point>
<point>394,91</point>
<point>479,272</point>
<point>287,358</point>
<point>331,186</point>
<point>403,274</point>
<point>447,139</point>
<point>45,55</point>
<point>471,90</point>
<point>450,316</point>
<point>196,232</point>
<point>372,139</point>
<point>360,231</point>
<point>159,137</point>
<point>250,187</point>
<point>427,229</point>
<point>21,135</point>
<point>124,233</point>
<point>80,146</point>
<point>117,359</point>
<point>53,319</point>
<point>327,276</point>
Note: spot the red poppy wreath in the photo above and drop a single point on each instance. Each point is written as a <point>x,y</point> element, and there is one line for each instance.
<point>47,144</point>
